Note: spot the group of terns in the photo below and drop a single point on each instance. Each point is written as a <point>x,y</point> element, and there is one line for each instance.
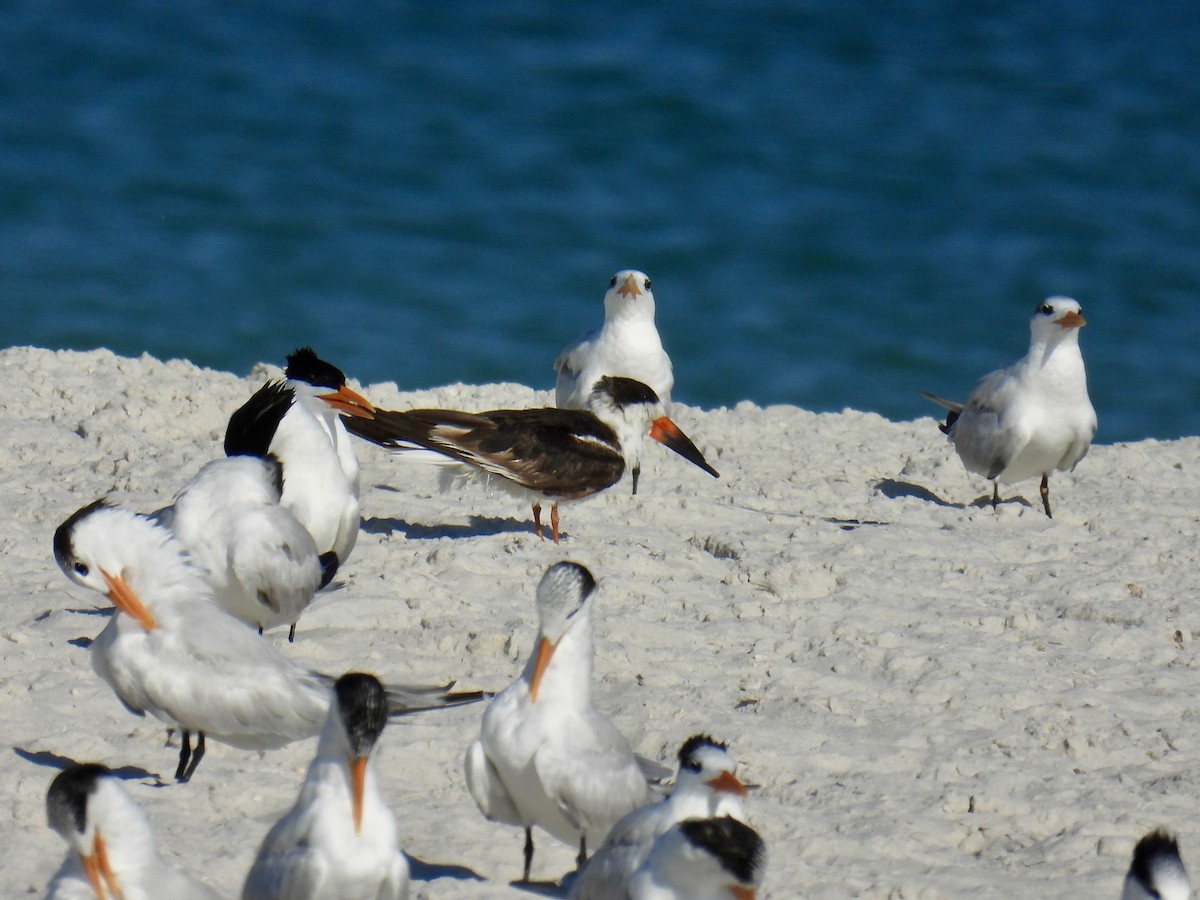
<point>252,537</point>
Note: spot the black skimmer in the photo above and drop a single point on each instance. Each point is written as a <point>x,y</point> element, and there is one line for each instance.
<point>541,454</point>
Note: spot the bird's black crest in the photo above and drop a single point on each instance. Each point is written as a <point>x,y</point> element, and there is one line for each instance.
<point>687,752</point>
<point>626,391</point>
<point>66,801</point>
<point>252,426</point>
<point>362,704</point>
<point>63,551</point>
<point>734,844</point>
<point>304,365</point>
<point>1150,851</point>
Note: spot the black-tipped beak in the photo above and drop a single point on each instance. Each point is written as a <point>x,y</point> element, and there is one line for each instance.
<point>667,432</point>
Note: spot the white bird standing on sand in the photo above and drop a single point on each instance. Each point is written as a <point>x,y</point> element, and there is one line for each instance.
<point>1156,871</point>
<point>701,859</point>
<point>545,755</point>
<point>298,422</point>
<point>339,840</point>
<point>706,787</point>
<point>1034,416</point>
<point>112,844</point>
<point>172,652</point>
<point>627,344</point>
<point>538,454</point>
<point>261,562</point>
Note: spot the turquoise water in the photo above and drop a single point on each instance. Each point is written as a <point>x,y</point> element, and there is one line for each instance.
<point>838,203</point>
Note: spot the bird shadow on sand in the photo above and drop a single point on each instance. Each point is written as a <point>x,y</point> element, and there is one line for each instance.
<point>893,490</point>
<point>542,888</point>
<point>419,870</point>
<point>53,761</point>
<point>476,526</point>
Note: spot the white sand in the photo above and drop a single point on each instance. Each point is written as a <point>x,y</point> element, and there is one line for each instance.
<point>943,701</point>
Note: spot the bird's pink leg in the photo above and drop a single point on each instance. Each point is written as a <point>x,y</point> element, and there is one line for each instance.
<point>537,520</point>
<point>554,521</point>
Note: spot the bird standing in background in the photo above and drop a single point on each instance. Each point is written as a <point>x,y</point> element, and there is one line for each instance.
<point>538,454</point>
<point>1033,416</point>
<point>627,344</point>
<point>112,844</point>
<point>339,840</point>
<point>545,755</point>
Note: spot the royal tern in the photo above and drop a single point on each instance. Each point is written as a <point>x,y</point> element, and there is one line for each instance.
<point>339,840</point>
<point>261,562</point>
<point>112,853</point>
<point>627,344</point>
<point>539,454</point>
<point>1034,416</point>
<point>1156,871</point>
<point>701,859</point>
<point>298,422</point>
<point>545,755</point>
<point>172,652</point>
<point>706,787</point>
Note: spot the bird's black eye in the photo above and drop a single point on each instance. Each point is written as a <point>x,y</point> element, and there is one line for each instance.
<point>1046,309</point>
<point>647,284</point>
<point>612,282</point>
<point>81,569</point>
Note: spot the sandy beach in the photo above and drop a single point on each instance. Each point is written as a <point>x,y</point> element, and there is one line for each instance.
<point>935,698</point>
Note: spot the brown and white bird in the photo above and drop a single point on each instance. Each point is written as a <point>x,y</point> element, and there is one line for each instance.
<point>545,755</point>
<point>112,852</point>
<point>552,454</point>
<point>1034,416</point>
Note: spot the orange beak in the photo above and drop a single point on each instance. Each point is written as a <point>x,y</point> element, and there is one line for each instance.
<point>358,777</point>
<point>668,433</point>
<point>1071,319</point>
<point>728,783</point>
<point>743,893</point>
<point>630,288</point>
<point>347,401</point>
<point>545,651</point>
<point>128,602</point>
<point>99,872</point>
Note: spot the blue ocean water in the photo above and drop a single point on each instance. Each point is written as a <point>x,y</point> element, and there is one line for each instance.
<point>839,203</point>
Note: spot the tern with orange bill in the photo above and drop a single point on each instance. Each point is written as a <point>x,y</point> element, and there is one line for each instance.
<point>298,421</point>
<point>339,839</point>
<point>112,852</point>
<point>171,651</point>
<point>1032,417</point>
<point>552,454</point>
<point>705,787</point>
<point>546,756</point>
